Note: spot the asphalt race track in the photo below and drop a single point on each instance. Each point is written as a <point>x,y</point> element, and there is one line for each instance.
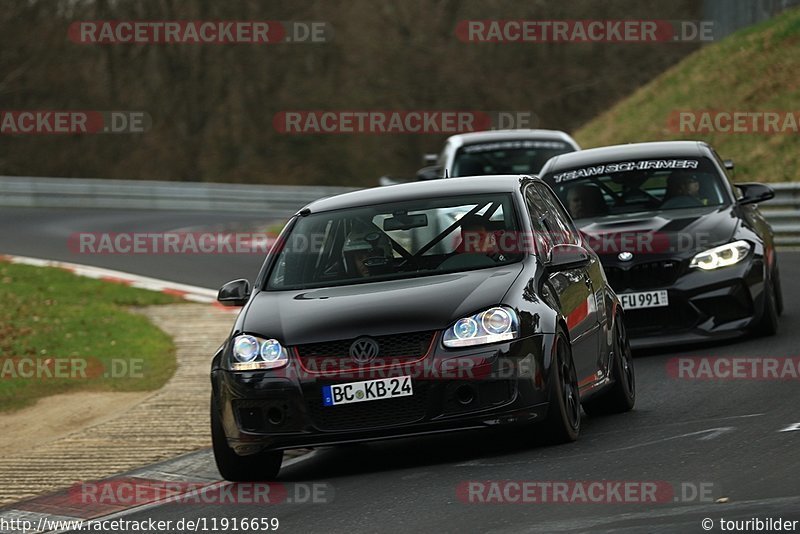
<point>724,436</point>
<point>46,234</point>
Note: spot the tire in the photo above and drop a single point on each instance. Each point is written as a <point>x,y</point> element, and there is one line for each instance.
<point>563,421</point>
<point>768,324</point>
<point>620,397</point>
<point>263,466</point>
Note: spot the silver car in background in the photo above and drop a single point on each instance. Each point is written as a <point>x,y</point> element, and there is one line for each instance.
<point>497,152</point>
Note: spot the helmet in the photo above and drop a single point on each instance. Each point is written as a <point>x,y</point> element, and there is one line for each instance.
<point>678,180</point>
<point>370,244</point>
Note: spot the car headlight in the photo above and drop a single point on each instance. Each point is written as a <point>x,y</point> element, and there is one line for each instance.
<point>721,256</point>
<point>490,326</point>
<point>252,353</point>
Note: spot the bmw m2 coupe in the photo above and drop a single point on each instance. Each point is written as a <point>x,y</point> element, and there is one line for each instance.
<point>687,250</point>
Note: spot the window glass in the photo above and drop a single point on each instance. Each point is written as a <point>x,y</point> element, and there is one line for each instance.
<point>541,231</point>
<point>397,240</point>
<point>565,232</point>
<point>614,188</point>
<point>520,156</point>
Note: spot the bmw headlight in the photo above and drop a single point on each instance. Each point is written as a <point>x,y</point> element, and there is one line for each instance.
<point>252,353</point>
<point>721,256</point>
<point>490,326</point>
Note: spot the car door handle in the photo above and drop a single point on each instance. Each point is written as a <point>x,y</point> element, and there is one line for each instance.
<point>588,281</point>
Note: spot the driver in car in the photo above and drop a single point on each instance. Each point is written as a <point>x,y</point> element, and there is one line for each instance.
<point>476,237</point>
<point>364,249</point>
<point>683,191</point>
<point>584,201</point>
<point>478,246</point>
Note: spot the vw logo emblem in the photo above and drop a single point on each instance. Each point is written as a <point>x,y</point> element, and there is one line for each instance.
<point>364,350</point>
<point>625,256</point>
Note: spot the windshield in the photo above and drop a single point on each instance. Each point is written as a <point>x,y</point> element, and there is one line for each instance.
<point>608,189</point>
<point>394,241</point>
<point>525,156</point>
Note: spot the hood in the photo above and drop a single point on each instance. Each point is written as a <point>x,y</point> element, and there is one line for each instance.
<point>676,233</point>
<point>378,308</point>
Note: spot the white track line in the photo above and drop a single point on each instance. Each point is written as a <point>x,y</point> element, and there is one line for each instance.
<point>193,293</point>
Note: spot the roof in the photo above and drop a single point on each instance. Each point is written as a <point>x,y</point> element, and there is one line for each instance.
<point>503,135</point>
<point>659,149</point>
<point>416,190</point>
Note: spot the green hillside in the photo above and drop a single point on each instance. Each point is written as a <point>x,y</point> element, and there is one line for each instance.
<point>754,70</point>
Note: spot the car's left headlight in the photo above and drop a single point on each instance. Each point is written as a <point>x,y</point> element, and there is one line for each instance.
<point>252,353</point>
<point>721,256</point>
<point>495,324</point>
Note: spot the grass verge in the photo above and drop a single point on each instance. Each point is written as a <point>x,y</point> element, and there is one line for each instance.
<point>753,70</point>
<point>61,333</point>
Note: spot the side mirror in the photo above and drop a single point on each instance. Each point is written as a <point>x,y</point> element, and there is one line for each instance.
<point>568,257</point>
<point>235,293</point>
<point>754,193</point>
<point>728,164</point>
<point>429,159</point>
<point>433,172</point>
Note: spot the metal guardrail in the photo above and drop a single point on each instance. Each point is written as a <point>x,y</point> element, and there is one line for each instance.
<point>783,212</point>
<point>22,191</point>
<point>731,15</point>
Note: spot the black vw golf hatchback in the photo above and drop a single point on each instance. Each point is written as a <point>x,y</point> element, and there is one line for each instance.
<point>415,309</point>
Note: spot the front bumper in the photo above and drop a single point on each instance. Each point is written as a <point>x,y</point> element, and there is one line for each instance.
<point>703,305</point>
<point>505,384</point>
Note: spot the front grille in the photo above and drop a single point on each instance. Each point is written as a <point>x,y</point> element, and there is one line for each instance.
<point>644,275</point>
<point>333,356</point>
<point>370,414</point>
